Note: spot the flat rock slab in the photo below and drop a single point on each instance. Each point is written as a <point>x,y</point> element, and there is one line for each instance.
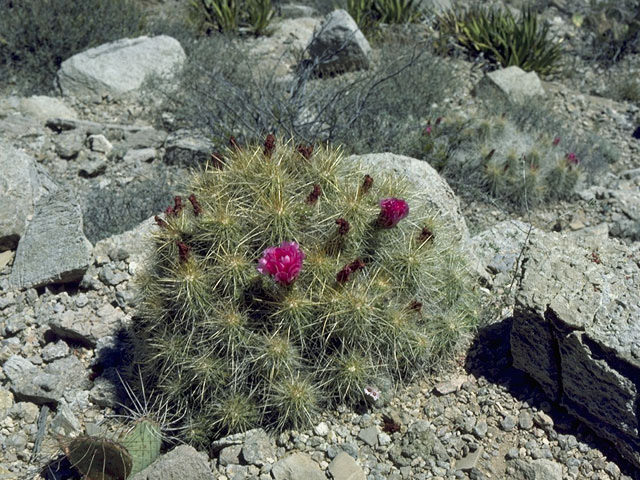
<point>298,466</point>
<point>54,248</point>
<point>511,83</point>
<point>120,67</point>
<point>576,331</point>
<point>181,463</point>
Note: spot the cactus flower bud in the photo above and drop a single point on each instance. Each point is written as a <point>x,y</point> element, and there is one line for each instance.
<point>269,145</point>
<point>283,263</point>
<point>392,210</point>
<point>572,158</point>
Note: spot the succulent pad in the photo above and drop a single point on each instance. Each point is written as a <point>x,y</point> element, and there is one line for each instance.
<point>287,280</point>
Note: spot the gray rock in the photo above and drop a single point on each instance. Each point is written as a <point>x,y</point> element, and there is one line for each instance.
<point>419,441</point>
<point>508,423</point>
<point>187,149</point>
<point>338,45</point>
<point>103,393</point>
<point>541,469</point>
<point>69,143</point>
<point>369,435</point>
<point>65,422</point>
<point>135,243</point>
<point>433,190</point>
<point>119,68</point>
<point>181,463</point>
<point>230,455</point>
<point>43,108</point>
<point>54,351</point>
<point>344,467</point>
<point>576,331</point>
<point>6,402</point>
<point>20,187</point>
<point>259,449</point>
<point>511,83</point>
<point>17,126</point>
<point>99,143</point>
<point>145,138</point>
<point>140,155</point>
<point>87,326</point>
<point>298,466</point>
<point>30,383</point>
<point>470,460</point>
<point>294,10</point>
<point>54,248</point>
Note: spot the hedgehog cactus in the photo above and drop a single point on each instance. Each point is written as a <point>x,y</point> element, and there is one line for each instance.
<point>498,157</point>
<point>291,281</point>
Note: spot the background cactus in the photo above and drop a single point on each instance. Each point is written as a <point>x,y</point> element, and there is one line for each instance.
<point>287,283</point>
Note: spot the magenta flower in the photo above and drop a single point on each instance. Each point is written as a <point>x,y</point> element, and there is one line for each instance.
<point>392,210</point>
<point>283,263</point>
<point>572,158</point>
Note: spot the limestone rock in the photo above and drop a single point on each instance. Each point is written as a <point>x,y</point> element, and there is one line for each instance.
<point>576,331</point>
<point>54,248</point>
<point>187,149</point>
<point>298,466</point>
<point>120,67</point>
<point>511,83</point>
<point>181,463</point>
<point>43,108</point>
<point>339,45</point>
<point>344,467</point>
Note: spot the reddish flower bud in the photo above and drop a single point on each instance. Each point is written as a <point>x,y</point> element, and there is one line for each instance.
<point>490,154</point>
<point>367,183</point>
<point>572,159</point>
<point>425,235</point>
<point>392,210</point>
<point>217,160</point>
<point>183,251</point>
<point>197,209</point>
<point>438,120</point>
<point>169,211</point>
<point>312,198</point>
<point>306,152</point>
<point>343,226</point>
<point>556,141</point>
<point>427,129</point>
<point>269,145</point>
<point>415,305</point>
<point>347,270</point>
<point>233,143</point>
<point>177,204</point>
<point>161,223</point>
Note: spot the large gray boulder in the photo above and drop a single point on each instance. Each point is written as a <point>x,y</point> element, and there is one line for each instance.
<point>434,191</point>
<point>511,83</point>
<point>20,187</point>
<point>576,331</point>
<point>181,463</point>
<point>339,45</point>
<point>119,68</point>
<point>54,248</point>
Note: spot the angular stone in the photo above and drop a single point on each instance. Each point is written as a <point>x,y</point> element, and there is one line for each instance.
<point>576,331</point>
<point>69,143</point>
<point>19,190</point>
<point>298,466</point>
<point>43,108</point>
<point>140,155</point>
<point>369,435</point>
<point>338,45</point>
<point>99,143</point>
<point>6,402</point>
<point>344,467</point>
<point>259,449</point>
<point>145,138</point>
<point>511,83</point>
<point>54,248</point>
<point>187,149</point>
<point>434,191</point>
<point>65,422</point>
<point>470,460</point>
<point>86,326</point>
<point>181,463</point>
<point>541,469</point>
<point>120,67</point>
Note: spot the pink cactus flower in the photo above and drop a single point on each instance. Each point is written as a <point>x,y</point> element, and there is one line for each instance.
<point>283,263</point>
<point>427,130</point>
<point>392,210</point>
<point>572,158</point>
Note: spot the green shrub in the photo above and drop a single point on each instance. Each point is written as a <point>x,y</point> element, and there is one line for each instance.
<point>613,29</point>
<point>378,296</point>
<point>229,16</point>
<point>224,91</point>
<point>515,153</point>
<point>368,14</point>
<point>503,39</point>
<point>38,35</point>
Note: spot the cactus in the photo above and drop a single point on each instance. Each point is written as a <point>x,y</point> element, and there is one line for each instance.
<point>518,165</point>
<point>290,281</point>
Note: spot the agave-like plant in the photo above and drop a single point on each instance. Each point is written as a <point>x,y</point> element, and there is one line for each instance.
<point>369,14</point>
<point>503,39</point>
<point>228,16</point>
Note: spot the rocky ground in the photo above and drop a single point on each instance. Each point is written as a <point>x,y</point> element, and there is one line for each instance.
<point>477,418</point>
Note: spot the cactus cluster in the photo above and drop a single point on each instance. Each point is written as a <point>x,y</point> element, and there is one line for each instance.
<point>499,157</point>
<point>288,280</point>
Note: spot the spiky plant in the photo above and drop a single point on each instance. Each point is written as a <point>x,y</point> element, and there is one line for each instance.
<point>516,164</point>
<point>289,281</point>
<point>502,38</point>
<point>232,16</point>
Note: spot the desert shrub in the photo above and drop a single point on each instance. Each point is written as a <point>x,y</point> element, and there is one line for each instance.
<point>289,281</point>
<point>224,91</point>
<point>117,208</point>
<point>368,14</point>
<point>517,154</point>
<point>228,16</point>
<point>612,29</point>
<point>501,38</point>
<point>36,36</point>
